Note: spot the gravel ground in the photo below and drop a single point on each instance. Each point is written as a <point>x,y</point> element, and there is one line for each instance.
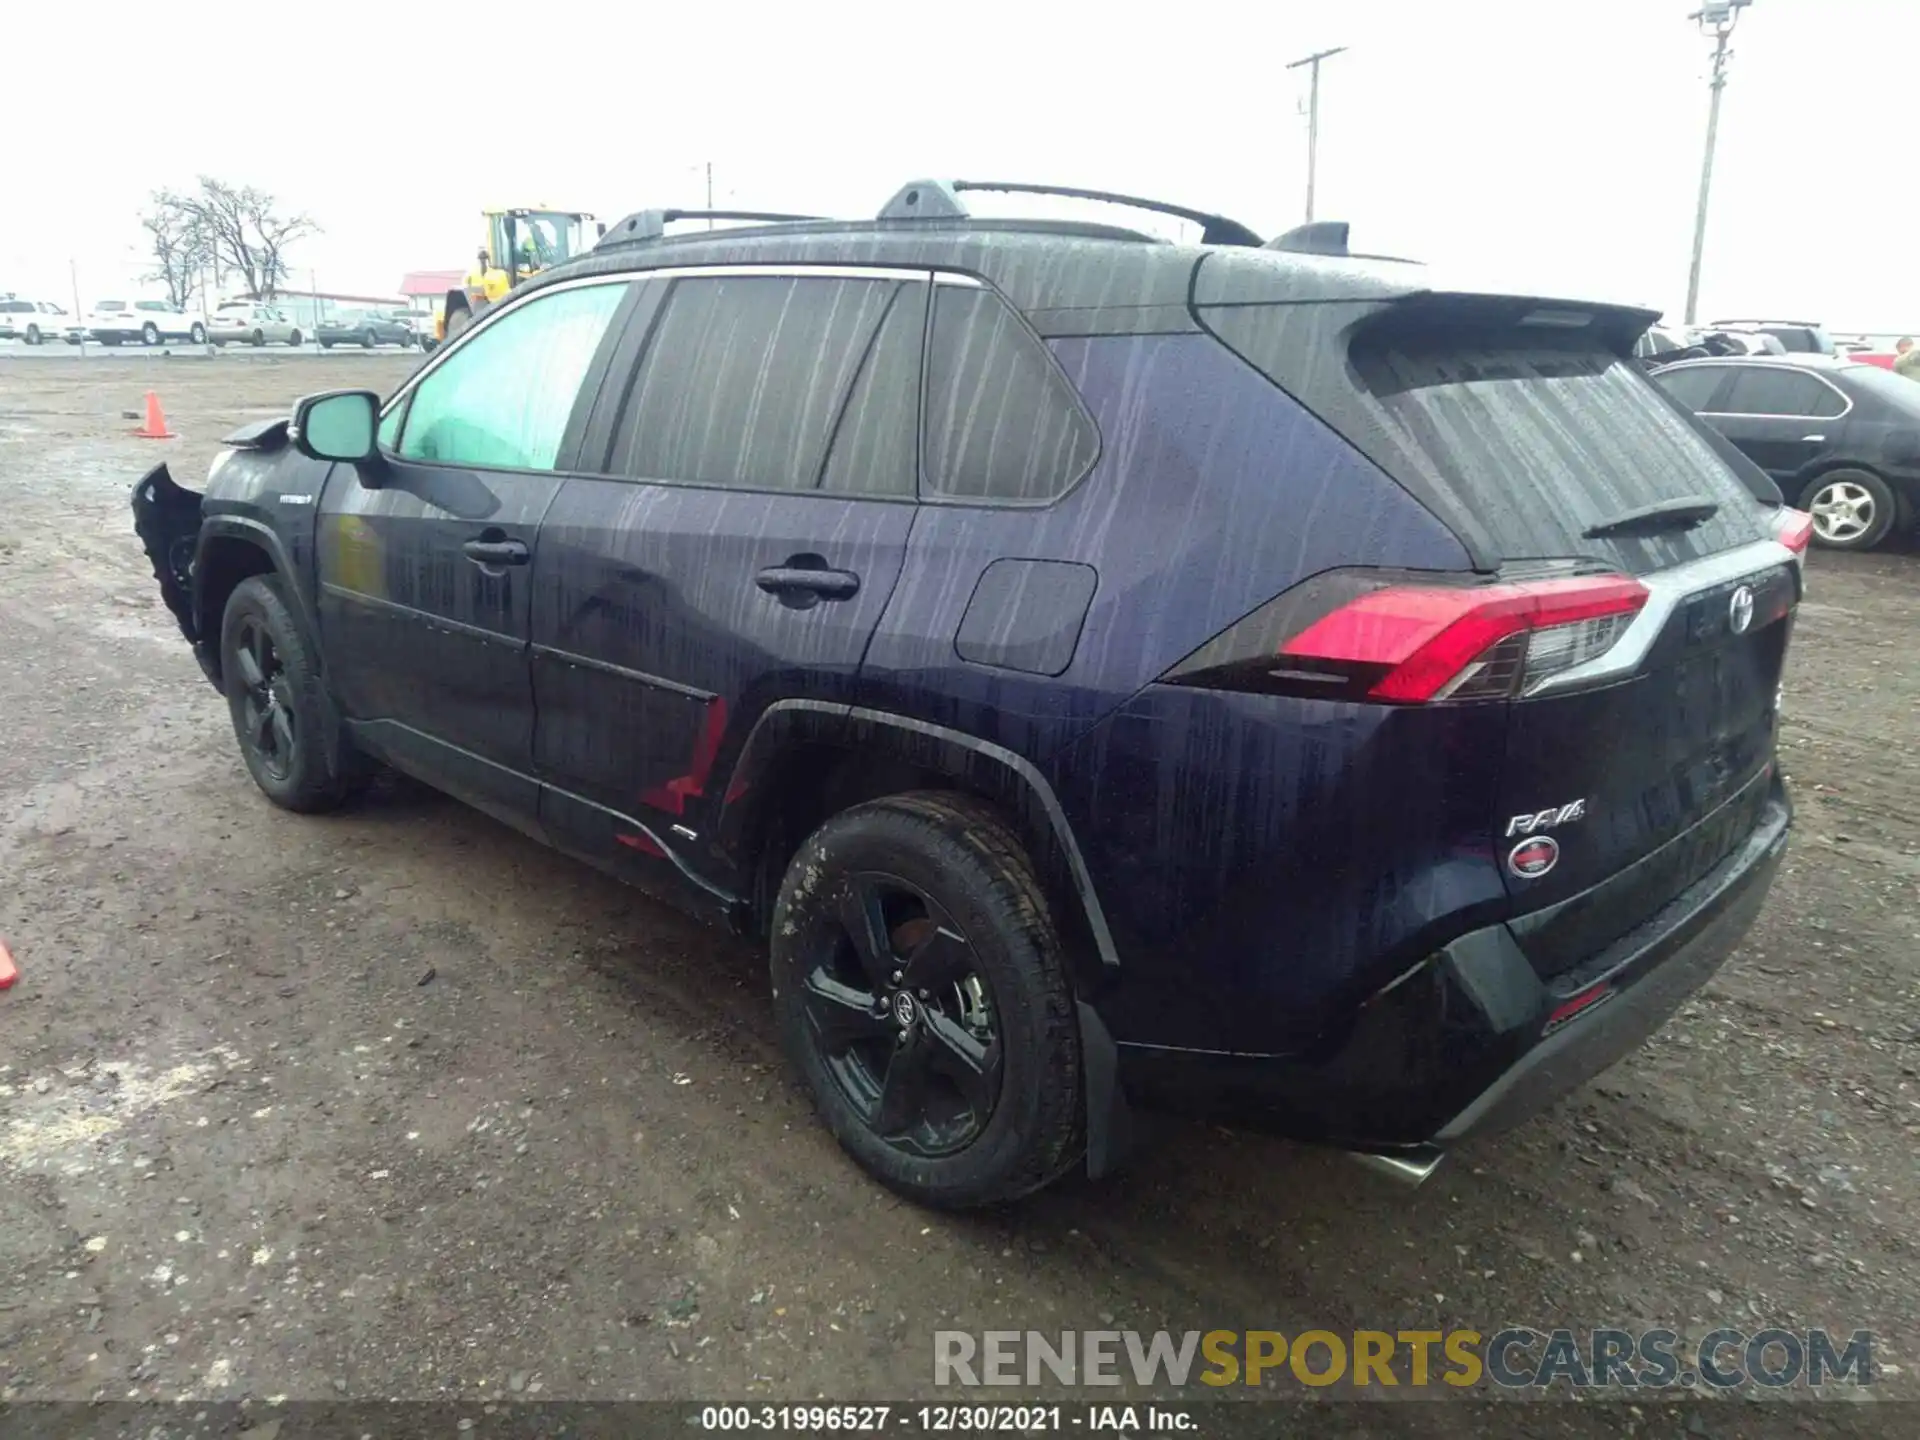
<point>398,1104</point>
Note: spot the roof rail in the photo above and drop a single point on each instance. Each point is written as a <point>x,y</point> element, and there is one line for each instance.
<point>652,224</point>
<point>940,200</point>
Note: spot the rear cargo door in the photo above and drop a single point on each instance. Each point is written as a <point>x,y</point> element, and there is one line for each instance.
<point>1633,760</point>
<point>1637,744</point>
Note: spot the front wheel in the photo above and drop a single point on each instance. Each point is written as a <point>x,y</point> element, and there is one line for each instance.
<point>198,335</point>
<point>1851,509</point>
<point>259,337</point>
<point>149,334</point>
<point>921,992</point>
<point>33,335</point>
<point>294,339</point>
<point>367,340</point>
<point>273,690</point>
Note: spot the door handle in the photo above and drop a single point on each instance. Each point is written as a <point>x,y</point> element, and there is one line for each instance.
<point>1811,439</point>
<point>497,552</point>
<point>805,584</point>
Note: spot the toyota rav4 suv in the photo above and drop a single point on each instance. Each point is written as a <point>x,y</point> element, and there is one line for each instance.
<point>1109,673</point>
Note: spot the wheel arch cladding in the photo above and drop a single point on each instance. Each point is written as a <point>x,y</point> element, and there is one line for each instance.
<point>780,758</point>
<point>225,560</point>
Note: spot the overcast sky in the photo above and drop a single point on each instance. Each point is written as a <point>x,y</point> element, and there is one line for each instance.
<point>1552,144</point>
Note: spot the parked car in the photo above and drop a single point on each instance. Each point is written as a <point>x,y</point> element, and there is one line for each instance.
<point>112,322</point>
<point>34,321</point>
<point>1107,673</point>
<point>1840,438</point>
<point>362,327</point>
<point>252,323</point>
<point>1797,337</point>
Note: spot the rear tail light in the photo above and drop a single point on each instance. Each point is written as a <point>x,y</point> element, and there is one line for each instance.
<point>1355,636</point>
<point>1795,529</point>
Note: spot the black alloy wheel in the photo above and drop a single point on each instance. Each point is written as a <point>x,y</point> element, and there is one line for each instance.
<point>903,1018</point>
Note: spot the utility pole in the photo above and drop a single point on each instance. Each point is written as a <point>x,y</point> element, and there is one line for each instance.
<point>709,193</point>
<point>1313,116</point>
<point>1716,18</point>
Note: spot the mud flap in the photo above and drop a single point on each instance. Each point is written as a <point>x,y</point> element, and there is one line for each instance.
<point>1109,1120</point>
<point>166,517</point>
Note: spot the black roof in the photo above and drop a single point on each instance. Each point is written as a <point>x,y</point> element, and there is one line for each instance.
<point>1064,274</point>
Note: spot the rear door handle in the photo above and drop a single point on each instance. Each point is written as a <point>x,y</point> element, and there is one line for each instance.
<point>799,582</point>
<point>497,552</point>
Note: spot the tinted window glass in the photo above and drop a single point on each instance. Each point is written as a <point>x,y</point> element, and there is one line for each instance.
<point>744,377</point>
<point>1770,390</point>
<point>1003,423</point>
<point>1694,386</point>
<point>872,451</point>
<point>503,398</point>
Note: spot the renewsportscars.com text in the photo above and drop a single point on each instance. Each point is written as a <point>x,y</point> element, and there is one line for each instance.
<point>1513,1358</point>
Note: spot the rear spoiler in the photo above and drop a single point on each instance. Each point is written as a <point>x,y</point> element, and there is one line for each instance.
<point>1452,312</point>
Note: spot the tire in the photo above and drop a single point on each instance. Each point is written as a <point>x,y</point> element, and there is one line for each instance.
<point>294,340</point>
<point>33,335</point>
<point>149,334</point>
<point>1851,509</point>
<point>367,340</point>
<point>458,320</point>
<point>991,1002</point>
<point>326,344</point>
<point>259,337</point>
<point>198,335</point>
<point>280,722</point>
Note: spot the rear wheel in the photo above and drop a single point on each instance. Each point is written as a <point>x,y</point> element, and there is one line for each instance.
<point>1851,509</point>
<point>921,992</point>
<point>33,335</point>
<point>367,339</point>
<point>458,319</point>
<point>149,334</point>
<point>259,337</point>
<point>198,335</point>
<point>273,686</point>
<point>294,339</point>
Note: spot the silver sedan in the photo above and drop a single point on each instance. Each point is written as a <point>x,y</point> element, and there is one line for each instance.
<point>253,325</point>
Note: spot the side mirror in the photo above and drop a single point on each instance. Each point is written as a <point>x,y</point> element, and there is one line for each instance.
<point>339,425</point>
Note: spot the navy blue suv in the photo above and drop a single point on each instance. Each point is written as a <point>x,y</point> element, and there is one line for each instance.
<point>1238,677</point>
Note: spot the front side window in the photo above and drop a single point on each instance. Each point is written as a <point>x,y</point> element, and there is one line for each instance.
<point>1003,421</point>
<point>745,377</point>
<point>502,399</point>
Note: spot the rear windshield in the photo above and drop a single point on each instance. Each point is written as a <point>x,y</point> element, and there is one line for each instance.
<point>1521,441</point>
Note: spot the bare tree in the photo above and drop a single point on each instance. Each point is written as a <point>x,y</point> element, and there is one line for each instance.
<point>245,230</point>
<point>178,244</point>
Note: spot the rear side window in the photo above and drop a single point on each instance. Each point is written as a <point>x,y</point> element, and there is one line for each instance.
<point>1003,422</point>
<point>873,444</point>
<point>503,398</point>
<point>744,379</point>
<point>1695,386</point>
<point>1775,390</point>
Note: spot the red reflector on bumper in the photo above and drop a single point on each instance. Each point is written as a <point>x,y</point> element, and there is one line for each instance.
<point>1579,1004</point>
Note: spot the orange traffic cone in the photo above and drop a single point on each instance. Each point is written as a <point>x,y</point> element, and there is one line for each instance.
<point>8,974</point>
<point>156,426</point>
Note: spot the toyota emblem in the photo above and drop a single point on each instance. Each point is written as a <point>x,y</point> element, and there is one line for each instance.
<point>905,1012</point>
<point>1740,609</point>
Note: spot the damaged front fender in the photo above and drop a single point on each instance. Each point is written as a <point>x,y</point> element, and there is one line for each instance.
<point>166,517</point>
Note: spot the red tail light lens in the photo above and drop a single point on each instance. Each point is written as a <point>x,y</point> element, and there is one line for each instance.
<point>1795,529</point>
<point>1420,643</point>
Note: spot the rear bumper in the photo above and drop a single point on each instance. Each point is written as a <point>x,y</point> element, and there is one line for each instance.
<point>1472,1040</point>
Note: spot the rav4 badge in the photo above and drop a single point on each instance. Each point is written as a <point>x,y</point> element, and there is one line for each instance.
<point>1546,819</point>
<point>1534,857</point>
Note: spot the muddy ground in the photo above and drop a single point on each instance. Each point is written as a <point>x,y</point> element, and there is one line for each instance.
<point>398,1104</point>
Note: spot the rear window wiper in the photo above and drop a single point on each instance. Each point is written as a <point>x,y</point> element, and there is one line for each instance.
<point>1682,514</point>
